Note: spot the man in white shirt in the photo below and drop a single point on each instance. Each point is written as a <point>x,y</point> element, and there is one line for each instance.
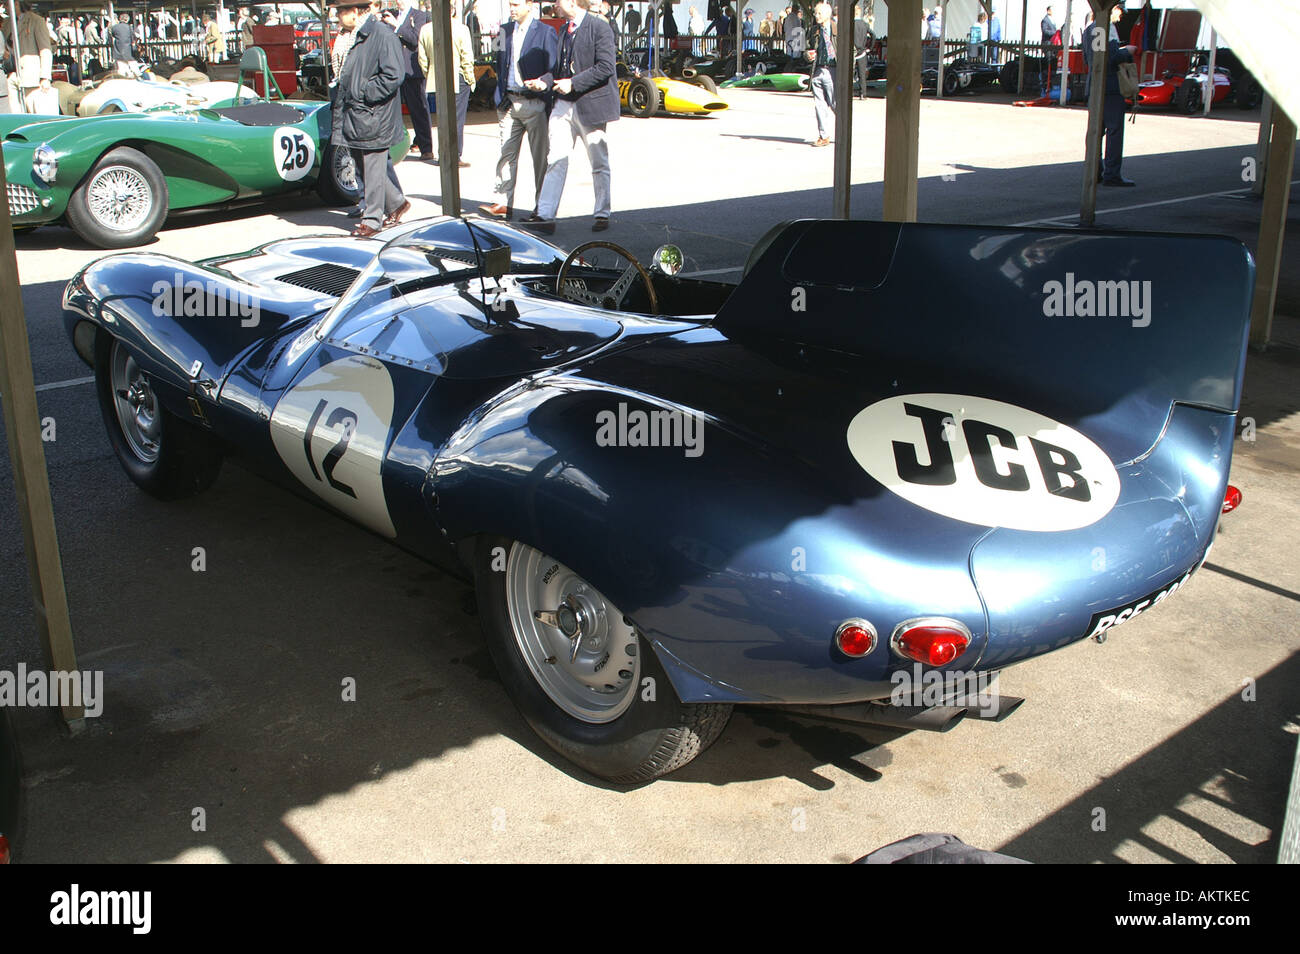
<point>525,64</point>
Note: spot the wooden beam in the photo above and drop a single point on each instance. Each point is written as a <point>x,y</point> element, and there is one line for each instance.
<point>448,166</point>
<point>843,110</point>
<point>1272,226</point>
<point>1065,53</point>
<point>1261,144</point>
<point>1024,25</point>
<point>31,481</point>
<point>1207,95</point>
<point>902,111</point>
<point>943,40</point>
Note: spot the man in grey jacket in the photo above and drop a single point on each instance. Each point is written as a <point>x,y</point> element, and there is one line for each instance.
<point>368,113</point>
<point>587,101</point>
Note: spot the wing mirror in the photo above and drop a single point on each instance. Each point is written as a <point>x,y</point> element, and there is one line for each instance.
<point>667,260</point>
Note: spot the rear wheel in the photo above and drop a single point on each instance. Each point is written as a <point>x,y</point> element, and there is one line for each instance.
<point>163,455</point>
<point>1009,76</point>
<point>580,673</point>
<point>1249,93</point>
<point>950,83</point>
<point>642,98</point>
<point>122,202</point>
<point>340,181</point>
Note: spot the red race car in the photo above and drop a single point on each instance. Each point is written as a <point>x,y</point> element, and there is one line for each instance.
<point>1176,91</point>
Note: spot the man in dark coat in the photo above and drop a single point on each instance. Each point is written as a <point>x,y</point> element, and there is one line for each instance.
<point>587,100</point>
<point>792,28</point>
<point>368,113</point>
<point>1113,106</point>
<point>407,23</point>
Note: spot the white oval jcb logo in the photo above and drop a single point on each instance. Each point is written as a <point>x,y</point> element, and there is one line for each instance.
<point>984,462</point>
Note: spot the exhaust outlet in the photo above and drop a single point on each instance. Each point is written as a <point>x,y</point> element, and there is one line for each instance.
<point>923,718</point>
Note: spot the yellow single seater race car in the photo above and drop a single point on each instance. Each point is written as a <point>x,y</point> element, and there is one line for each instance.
<point>643,96</point>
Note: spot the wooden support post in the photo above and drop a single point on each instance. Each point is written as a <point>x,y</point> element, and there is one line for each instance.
<point>1024,25</point>
<point>943,41</point>
<point>31,482</point>
<point>1096,110</point>
<point>448,166</point>
<point>1065,54</point>
<point>737,6</point>
<point>1272,226</point>
<point>902,111</point>
<point>1261,145</point>
<point>1207,97</point>
<point>843,110</point>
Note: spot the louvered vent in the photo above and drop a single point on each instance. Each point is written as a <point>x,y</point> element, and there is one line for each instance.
<point>326,278</point>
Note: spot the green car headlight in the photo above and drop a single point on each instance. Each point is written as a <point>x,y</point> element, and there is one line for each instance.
<point>45,164</point>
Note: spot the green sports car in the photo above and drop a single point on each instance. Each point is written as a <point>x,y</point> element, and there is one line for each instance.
<point>114,178</point>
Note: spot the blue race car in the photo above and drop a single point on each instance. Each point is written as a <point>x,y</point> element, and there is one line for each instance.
<point>677,496</point>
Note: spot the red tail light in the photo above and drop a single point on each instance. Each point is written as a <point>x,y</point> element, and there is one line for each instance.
<point>4,850</point>
<point>1232,499</point>
<point>932,640</point>
<point>855,637</point>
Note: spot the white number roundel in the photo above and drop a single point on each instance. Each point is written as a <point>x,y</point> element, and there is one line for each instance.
<point>984,462</point>
<point>331,431</point>
<point>294,151</point>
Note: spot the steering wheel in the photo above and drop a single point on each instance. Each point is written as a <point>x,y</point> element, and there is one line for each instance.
<point>612,298</point>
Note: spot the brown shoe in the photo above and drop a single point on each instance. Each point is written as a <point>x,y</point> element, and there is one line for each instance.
<point>600,224</point>
<point>822,142</point>
<point>396,215</point>
<point>364,231</point>
<point>428,157</point>
<point>464,164</point>
<point>497,211</point>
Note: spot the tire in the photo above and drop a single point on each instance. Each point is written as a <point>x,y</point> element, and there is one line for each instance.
<point>634,729</point>
<point>164,456</point>
<point>1249,93</point>
<point>338,182</point>
<point>1009,76</point>
<point>100,220</point>
<point>1187,98</point>
<point>706,82</point>
<point>642,98</point>
<point>950,83</point>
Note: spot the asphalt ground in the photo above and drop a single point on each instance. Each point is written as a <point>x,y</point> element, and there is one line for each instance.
<point>1173,741</point>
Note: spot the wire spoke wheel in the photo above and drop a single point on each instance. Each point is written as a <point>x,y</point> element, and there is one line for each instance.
<point>345,170</point>
<point>578,647</point>
<point>120,198</point>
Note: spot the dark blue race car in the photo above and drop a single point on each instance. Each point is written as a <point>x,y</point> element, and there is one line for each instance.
<point>890,451</point>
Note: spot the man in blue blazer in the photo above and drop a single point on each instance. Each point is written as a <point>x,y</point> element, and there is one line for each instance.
<point>586,101</point>
<point>524,73</point>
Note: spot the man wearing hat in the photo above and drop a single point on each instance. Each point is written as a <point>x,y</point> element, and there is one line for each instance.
<point>368,112</point>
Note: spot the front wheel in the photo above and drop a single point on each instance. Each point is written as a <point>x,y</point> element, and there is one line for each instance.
<point>643,98</point>
<point>122,202</point>
<point>164,456</point>
<point>582,676</point>
<point>706,82</point>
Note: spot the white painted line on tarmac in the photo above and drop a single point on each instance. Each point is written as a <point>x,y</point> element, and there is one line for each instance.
<point>1142,205</point>
<point>69,383</point>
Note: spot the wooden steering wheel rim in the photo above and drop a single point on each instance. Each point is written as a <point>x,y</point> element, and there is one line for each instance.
<point>618,249</point>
